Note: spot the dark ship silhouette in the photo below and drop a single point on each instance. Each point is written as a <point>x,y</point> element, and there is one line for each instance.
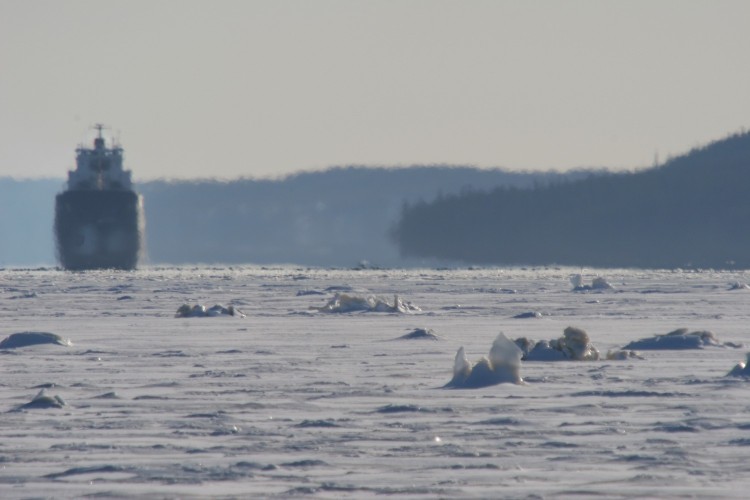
<point>99,217</point>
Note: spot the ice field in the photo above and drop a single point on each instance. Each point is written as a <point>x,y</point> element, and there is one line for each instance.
<point>299,398</point>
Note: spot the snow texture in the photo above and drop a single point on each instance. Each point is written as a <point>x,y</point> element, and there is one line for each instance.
<point>291,402</point>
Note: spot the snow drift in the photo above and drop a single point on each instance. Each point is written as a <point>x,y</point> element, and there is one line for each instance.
<point>23,339</point>
<point>680,339</point>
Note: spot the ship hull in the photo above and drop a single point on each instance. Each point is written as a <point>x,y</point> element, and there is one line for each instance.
<point>99,229</point>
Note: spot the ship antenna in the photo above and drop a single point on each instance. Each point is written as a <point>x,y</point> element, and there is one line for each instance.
<point>99,141</point>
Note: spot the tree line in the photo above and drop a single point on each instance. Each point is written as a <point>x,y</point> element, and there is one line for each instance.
<point>693,212</point>
<point>337,217</point>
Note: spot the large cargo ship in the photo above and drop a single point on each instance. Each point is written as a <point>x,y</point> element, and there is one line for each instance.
<point>99,218</point>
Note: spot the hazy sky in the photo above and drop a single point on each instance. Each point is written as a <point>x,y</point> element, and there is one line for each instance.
<point>225,88</point>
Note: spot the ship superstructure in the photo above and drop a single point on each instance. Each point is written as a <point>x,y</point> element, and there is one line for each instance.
<point>99,217</point>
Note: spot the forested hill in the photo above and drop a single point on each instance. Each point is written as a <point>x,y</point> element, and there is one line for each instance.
<point>693,211</point>
<point>337,217</point>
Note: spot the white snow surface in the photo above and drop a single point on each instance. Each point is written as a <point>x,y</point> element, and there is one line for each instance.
<point>289,402</point>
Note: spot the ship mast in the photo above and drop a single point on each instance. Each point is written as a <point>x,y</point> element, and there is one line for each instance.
<point>99,141</point>
<point>100,161</point>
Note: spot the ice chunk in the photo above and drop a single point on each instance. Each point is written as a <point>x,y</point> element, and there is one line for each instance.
<point>461,365</point>
<point>598,283</point>
<point>575,345</point>
<point>502,366</point>
<point>742,369</point>
<point>344,303</point>
<point>504,352</point>
<point>576,280</point>
<point>545,350</point>
<point>200,311</point>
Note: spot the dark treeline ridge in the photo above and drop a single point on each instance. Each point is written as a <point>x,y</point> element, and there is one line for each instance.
<point>337,217</point>
<point>691,212</point>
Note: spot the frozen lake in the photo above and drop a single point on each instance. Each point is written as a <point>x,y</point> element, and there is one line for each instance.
<point>292,402</point>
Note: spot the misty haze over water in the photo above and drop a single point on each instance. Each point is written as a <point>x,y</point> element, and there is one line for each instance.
<point>690,211</point>
<point>338,217</point>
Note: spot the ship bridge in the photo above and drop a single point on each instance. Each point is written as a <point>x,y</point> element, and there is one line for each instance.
<point>100,167</point>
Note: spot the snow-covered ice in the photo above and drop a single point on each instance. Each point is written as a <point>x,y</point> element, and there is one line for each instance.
<point>24,339</point>
<point>290,402</point>
<point>681,338</point>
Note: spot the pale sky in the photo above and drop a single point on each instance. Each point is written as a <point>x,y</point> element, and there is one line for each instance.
<point>242,88</point>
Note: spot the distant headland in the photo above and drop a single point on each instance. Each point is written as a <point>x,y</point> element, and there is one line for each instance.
<point>692,211</point>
